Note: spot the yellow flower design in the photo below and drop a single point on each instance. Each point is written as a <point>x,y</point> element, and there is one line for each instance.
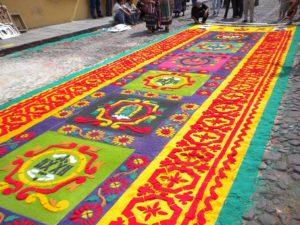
<point>179,118</point>
<point>95,135</point>
<point>123,140</point>
<point>165,131</point>
<point>81,103</point>
<point>98,94</point>
<point>127,92</point>
<point>63,114</point>
<point>174,97</point>
<point>151,95</point>
<point>68,129</point>
<point>189,106</point>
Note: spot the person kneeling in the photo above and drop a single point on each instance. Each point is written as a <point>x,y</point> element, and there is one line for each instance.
<point>121,14</point>
<point>199,10</point>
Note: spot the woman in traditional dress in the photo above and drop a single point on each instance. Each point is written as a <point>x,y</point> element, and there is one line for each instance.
<point>183,7</point>
<point>151,10</point>
<point>166,13</point>
<point>177,7</point>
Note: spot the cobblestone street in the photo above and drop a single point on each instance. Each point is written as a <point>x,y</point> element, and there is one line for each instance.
<point>276,200</point>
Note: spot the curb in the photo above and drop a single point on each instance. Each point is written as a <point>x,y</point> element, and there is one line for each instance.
<point>13,49</point>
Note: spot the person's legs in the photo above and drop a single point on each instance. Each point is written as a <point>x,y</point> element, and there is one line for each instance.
<point>234,8</point>
<point>227,4</point>
<point>108,4</point>
<point>92,9</point>
<point>129,19</point>
<point>251,9</point>
<point>214,3</point>
<point>240,8</point>
<point>119,17</point>
<point>246,7</point>
<point>218,6</point>
<point>98,8</point>
<point>205,16</point>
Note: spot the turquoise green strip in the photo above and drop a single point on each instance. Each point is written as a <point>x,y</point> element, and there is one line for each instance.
<point>238,201</point>
<point>88,69</point>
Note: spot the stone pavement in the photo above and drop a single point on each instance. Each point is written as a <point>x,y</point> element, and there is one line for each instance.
<point>51,33</point>
<point>277,200</point>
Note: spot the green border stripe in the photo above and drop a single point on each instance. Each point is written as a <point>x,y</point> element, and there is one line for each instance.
<point>238,201</point>
<point>90,68</point>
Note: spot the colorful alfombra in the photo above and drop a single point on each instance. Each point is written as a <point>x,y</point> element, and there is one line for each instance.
<point>163,135</point>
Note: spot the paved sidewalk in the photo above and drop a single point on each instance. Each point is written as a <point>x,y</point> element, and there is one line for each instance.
<point>52,33</point>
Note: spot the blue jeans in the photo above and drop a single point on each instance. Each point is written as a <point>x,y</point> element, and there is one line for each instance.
<point>216,5</point>
<point>119,17</point>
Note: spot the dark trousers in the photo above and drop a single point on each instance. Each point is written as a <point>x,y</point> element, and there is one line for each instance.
<point>240,7</point>
<point>95,6</point>
<point>108,5</point>
<point>234,8</point>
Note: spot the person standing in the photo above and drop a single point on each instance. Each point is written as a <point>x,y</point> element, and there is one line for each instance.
<point>216,5</point>
<point>95,6</point>
<point>248,7</point>
<point>166,13</point>
<point>234,8</point>
<point>108,7</point>
<point>177,7</point>
<point>284,6</point>
<point>240,8</point>
<point>151,9</point>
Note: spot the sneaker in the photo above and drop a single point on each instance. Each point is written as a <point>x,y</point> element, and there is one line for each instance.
<point>245,21</point>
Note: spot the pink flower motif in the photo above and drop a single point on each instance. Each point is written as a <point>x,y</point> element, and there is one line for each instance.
<point>3,151</point>
<point>203,92</point>
<point>137,161</point>
<point>24,136</point>
<point>88,214</point>
<point>114,185</point>
<point>21,222</point>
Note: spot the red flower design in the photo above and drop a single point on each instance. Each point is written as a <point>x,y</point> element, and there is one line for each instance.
<point>21,222</point>
<point>119,221</point>
<point>114,185</point>
<point>174,179</point>
<point>185,197</point>
<point>24,136</point>
<point>203,92</point>
<point>3,151</point>
<point>212,84</point>
<point>151,211</point>
<point>135,162</point>
<point>144,190</point>
<point>88,214</point>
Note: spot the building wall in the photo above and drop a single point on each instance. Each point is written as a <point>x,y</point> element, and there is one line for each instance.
<point>38,13</point>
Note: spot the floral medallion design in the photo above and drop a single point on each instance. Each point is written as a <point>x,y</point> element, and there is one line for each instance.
<point>132,115</point>
<point>165,82</point>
